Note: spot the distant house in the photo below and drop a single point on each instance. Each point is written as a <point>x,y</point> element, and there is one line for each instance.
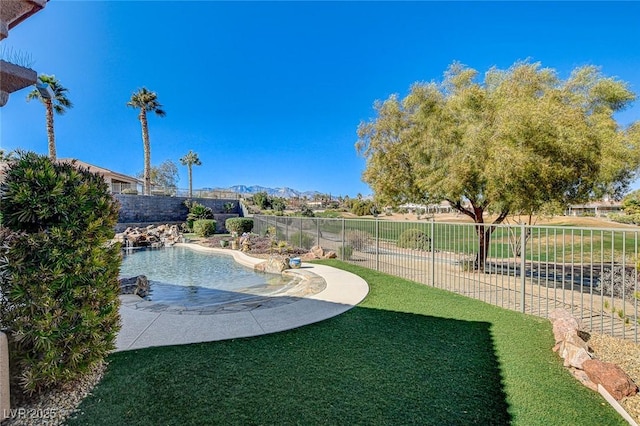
<point>118,183</point>
<point>596,208</point>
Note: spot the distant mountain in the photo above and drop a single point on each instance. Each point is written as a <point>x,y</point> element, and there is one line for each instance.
<point>274,192</point>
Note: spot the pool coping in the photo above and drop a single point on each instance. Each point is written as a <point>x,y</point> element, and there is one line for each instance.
<point>142,329</point>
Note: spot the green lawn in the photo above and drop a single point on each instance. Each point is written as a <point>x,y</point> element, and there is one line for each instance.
<point>553,243</point>
<point>409,354</point>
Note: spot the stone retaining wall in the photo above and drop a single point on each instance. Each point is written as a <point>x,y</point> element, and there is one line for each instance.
<point>141,210</point>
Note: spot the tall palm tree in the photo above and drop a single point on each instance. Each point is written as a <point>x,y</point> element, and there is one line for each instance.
<point>58,103</point>
<point>189,160</point>
<point>146,101</point>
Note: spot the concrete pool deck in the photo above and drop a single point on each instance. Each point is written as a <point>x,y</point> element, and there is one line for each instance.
<point>144,328</point>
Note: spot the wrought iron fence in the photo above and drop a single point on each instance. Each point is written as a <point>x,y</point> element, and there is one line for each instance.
<point>531,269</point>
<point>137,189</point>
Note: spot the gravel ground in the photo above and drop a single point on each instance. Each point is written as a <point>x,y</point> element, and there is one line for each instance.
<point>52,408</point>
<point>626,355</point>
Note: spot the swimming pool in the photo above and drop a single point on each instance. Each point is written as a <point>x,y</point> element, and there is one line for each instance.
<point>179,275</point>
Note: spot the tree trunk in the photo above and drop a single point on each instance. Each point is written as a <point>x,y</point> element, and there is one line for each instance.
<point>484,237</point>
<point>190,183</point>
<point>48,103</point>
<point>147,151</point>
<point>482,230</point>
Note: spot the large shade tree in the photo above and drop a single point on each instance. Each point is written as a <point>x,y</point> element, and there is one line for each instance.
<point>146,101</point>
<point>190,159</point>
<point>164,177</point>
<point>57,102</point>
<point>515,142</point>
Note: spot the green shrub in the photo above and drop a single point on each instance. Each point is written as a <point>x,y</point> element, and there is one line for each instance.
<point>364,207</point>
<point>345,252</point>
<point>302,240</point>
<point>306,211</point>
<point>204,227</point>
<point>60,275</point>
<point>197,211</point>
<point>240,225</point>
<point>414,239</point>
<point>632,219</point>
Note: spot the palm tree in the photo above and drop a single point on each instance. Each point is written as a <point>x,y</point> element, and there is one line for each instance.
<point>146,101</point>
<point>58,103</point>
<point>189,160</point>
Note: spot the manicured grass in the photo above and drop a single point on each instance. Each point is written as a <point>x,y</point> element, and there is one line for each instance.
<point>409,354</point>
<point>565,243</point>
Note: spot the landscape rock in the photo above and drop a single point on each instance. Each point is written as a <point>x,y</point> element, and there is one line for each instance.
<point>273,265</point>
<point>563,323</point>
<point>308,256</point>
<point>154,236</point>
<point>330,255</point>
<point>611,377</point>
<point>317,251</point>
<point>135,285</point>
<point>582,377</point>
<point>574,350</point>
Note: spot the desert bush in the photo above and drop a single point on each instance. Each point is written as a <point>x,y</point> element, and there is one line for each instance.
<point>60,279</point>
<point>302,240</point>
<point>204,227</point>
<point>306,211</point>
<point>240,225</point>
<point>414,239</point>
<point>345,252</point>
<point>619,282</point>
<point>359,240</point>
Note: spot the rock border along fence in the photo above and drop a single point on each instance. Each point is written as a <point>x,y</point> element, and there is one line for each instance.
<point>603,377</point>
<point>141,210</point>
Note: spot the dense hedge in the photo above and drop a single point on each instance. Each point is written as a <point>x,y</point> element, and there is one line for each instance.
<point>60,275</point>
<point>204,227</point>
<point>239,225</point>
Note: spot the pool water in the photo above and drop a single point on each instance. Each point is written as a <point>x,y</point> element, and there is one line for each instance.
<point>194,278</point>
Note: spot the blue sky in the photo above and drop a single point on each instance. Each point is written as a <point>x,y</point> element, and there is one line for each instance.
<point>271,93</point>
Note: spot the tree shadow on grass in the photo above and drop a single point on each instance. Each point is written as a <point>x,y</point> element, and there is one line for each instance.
<point>367,366</point>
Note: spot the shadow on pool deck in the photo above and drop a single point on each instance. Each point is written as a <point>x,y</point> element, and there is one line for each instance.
<point>146,328</point>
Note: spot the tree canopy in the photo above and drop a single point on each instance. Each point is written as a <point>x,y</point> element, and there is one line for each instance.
<point>164,176</point>
<point>518,140</point>
<point>59,103</point>
<point>515,142</point>
<point>190,159</point>
<point>146,101</point>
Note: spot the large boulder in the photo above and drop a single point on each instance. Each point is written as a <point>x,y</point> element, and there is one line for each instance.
<point>273,265</point>
<point>611,377</point>
<point>154,236</point>
<point>135,285</point>
<point>317,252</point>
